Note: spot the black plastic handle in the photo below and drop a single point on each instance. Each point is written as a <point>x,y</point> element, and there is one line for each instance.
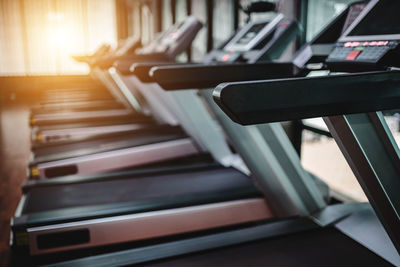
<point>298,98</point>
<point>142,70</point>
<point>200,76</point>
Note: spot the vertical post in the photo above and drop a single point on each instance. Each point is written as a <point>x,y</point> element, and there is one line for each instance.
<point>173,11</point>
<point>158,15</point>
<point>189,7</point>
<point>236,11</point>
<point>302,16</point>
<point>121,15</point>
<point>140,26</point>
<point>210,23</point>
<point>297,135</point>
<point>188,13</point>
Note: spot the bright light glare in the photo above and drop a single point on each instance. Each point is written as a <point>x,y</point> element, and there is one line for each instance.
<point>55,16</point>
<point>62,39</point>
<point>59,37</point>
<point>60,34</point>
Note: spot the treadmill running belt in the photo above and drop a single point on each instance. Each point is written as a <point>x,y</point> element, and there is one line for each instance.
<point>222,182</point>
<point>323,247</point>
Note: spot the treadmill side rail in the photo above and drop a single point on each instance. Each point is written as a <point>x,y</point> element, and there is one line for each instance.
<point>110,160</point>
<point>67,134</point>
<point>196,244</point>
<point>148,225</point>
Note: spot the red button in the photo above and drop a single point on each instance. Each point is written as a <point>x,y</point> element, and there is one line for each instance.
<point>225,57</point>
<point>353,55</point>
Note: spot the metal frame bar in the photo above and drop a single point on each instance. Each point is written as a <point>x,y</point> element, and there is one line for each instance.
<point>187,110</point>
<point>370,149</point>
<point>273,162</point>
<point>155,105</point>
<point>199,124</point>
<point>123,90</point>
<point>100,75</point>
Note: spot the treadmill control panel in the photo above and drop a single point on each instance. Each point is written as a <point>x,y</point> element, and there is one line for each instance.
<point>254,37</point>
<point>173,41</point>
<point>365,51</point>
<point>371,40</point>
<point>251,33</point>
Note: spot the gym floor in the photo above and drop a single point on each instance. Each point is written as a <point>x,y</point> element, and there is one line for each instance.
<point>323,158</point>
<point>14,155</point>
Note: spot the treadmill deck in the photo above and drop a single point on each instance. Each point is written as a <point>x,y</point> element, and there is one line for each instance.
<point>138,194</point>
<point>323,247</point>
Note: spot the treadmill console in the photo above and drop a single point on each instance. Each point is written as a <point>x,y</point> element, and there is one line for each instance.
<point>318,49</point>
<point>255,36</point>
<point>249,35</point>
<point>173,41</point>
<point>372,40</point>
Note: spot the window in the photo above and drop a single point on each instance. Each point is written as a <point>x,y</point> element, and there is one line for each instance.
<point>39,36</point>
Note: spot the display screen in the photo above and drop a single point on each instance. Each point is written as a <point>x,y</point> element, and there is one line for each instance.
<point>384,18</point>
<point>251,33</point>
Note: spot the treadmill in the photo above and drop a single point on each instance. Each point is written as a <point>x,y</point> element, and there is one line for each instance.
<point>160,205</point>
<point>56,102</point>
<point>123,145</point>
<point>162,48</point>
<point>139,147</point>
<point>186,30</point>
<point>328,237</point>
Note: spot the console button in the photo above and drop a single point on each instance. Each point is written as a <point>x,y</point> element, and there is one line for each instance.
<point>353,54</point>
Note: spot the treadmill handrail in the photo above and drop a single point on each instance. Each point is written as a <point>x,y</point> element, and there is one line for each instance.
<point>267,101</point>
<point>204,76</point>
<point>142,70</point>
<point>108,61</point>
